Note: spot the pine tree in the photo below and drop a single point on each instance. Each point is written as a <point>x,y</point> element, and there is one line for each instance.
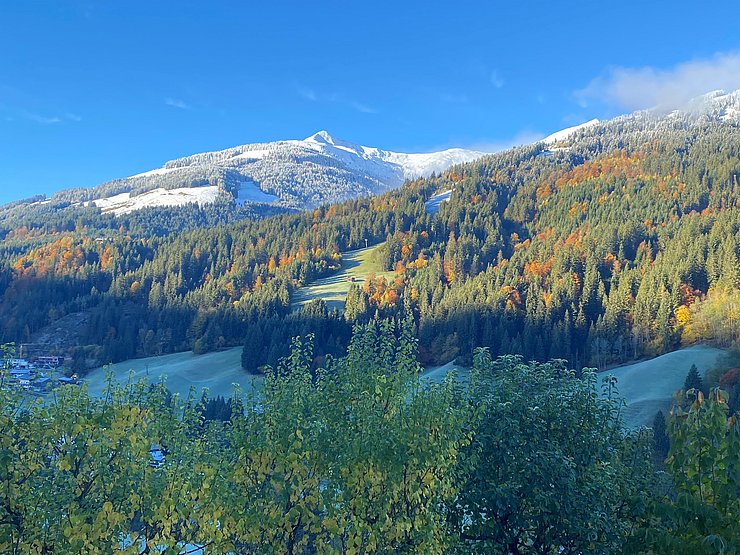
<point>693,380</point>
<point>661,443</point>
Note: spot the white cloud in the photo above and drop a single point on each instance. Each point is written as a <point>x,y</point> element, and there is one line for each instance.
<point>360,107</point>
<point>15,105</point>
<point>496,79</point>
<point>177,103</point>
<point>334,98</point>
<point>46,119</point>
<point>43,120</point>
<point>650,87</point>
<point>308,94</point>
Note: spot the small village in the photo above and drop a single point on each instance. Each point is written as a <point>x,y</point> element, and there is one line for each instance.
<point>38,375</point>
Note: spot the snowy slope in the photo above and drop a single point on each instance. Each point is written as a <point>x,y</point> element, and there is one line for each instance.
<point>563,134</point>
<point>433,204</point>
<point>367,158</point>
<point>306,173</point>
<point>124,203</point>
<point>718,107</point>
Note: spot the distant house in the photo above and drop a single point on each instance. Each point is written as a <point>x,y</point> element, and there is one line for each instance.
<point>19,363</point>
<point>21,377</point>
<point>52,361</point>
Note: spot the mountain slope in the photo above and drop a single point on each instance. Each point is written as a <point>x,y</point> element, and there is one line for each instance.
<point>298,174</point>
<point>563,134</point>
<point>713,107</point>
<point>589,254</point>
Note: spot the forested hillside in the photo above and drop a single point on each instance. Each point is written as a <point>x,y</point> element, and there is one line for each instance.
<point>612,245</point>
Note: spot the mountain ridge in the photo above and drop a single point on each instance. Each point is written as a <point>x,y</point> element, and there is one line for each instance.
<point>298,174</point>
<point>323,169</point>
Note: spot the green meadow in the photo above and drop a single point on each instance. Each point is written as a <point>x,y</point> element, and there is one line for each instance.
<point>356,266</point>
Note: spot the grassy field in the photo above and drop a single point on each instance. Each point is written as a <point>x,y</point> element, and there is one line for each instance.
<point>219,371</point>
<point>356,266</point>
<point>216,371</point>
<point>648,386</point>
<point>439,373</point>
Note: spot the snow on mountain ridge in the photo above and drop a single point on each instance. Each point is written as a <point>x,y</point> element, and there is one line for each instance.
<point>321,137</point>
<point>319,169</point>
<point>322,169</point>
<point>568,131</point>
<point>722,104</point>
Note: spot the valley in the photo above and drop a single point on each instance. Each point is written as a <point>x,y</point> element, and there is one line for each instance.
<point>609,242</point>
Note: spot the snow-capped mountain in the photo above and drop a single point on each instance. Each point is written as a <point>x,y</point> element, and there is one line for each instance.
<point>714,108</point>
<point>294,173</point>
<point>322,169</point>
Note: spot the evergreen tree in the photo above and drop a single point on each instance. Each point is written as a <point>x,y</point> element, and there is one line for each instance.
<point>693,380</point>
<point>661,442</point>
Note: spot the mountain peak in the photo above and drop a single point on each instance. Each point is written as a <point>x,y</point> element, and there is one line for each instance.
<point>322,137</point>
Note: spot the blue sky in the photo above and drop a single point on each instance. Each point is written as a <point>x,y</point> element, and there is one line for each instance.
<point>91,91</point>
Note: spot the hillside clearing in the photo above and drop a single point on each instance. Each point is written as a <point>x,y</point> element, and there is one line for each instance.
<point>433,204</point>
<point>437,374</point>
<point>217,371</point>
<point>356,266</point>
<point>648,386</point>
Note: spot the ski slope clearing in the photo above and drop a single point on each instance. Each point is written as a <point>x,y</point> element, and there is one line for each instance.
<point>648,386</point>
<point>563,134</point>
<point>433,204</point>
<point>356,266</point>
<point>216,371</point>
<point>249,192</point>
<point>437,374</point>
<point>124,203</point>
